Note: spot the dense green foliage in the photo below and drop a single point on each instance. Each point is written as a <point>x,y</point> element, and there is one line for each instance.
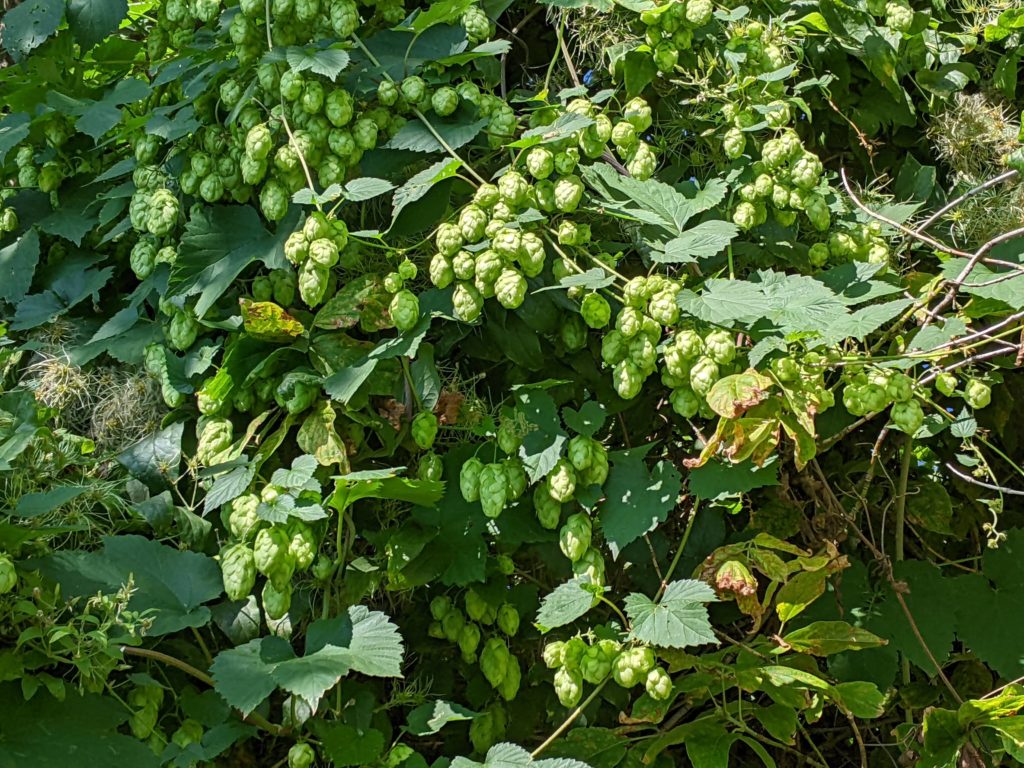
<point>589,383</point>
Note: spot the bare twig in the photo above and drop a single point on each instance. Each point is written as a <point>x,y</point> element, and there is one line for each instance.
<point>895,224</point>
<point>975,481</point>
<point>969,193</point>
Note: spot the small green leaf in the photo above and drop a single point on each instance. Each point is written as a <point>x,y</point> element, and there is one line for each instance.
<point>417,186</point>
<point>825,638</point>
<point>13,128</point>
<point>678,620</point>
<point>417,137</point>
<point>799,592</point>
<point>17,266</point>
<point>706,239</point>
<point>564,604</point>
<point>366,188</point>
<point>588,420</point>
<point>328,62</point>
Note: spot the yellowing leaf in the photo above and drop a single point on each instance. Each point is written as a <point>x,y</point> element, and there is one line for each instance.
<point>733,395</point>
<point>266,321</point>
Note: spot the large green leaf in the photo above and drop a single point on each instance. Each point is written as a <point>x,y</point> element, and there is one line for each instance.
<point>92,20</point>
<point>219,242</point>
<point>81,729</point>
<point>786,303</point>
<point>172,584</point>
<point>17,266</point>
<point>29,24</point>
<point>636,499</point>
<point>363,641</point>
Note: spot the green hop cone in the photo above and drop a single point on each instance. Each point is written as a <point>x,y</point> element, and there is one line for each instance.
<point>627,379</point>
<point>720,347</point>
<point>440,606</point>
<point>495,661</point>
<point>452,624</point>
<point>513,189</point>
<point>404,309</point>
<point>907,417</point>
<point>238,569</point>
<point>630,667</point>
<point>8,574</point>
<point>142,721</point>
<point>581,452</point>
<point>301,756</point>
<point>562,481</point>
<point>641,162</point>
<point>142,258</point>
<point>508,689</point>
<point>508,619</point>
<point>663,306</point>
<point>508,437</point>
<point>477,26</point>
<point>590,567</point>
<point>444,101</point>
<point>313,282</point>
<point>440,271</point>
<point>595,310</point>
<point>272,556</point>
<point>303,545</point>
<point>568,687</point>
<point>547,509</point>
<point>424,429</point>
<point>568,193</point>
<point>476,606</point>
<point>510,288</point>
<point>467,302</point>
<point>685,402</point>
<point>472,223</point>
<point>414,90</point>
<point>277,602</point>
<point>575,536</point>
<point>162,213</point>
<point>274,200</point>
<point>515,477</point>
<point>977,394</point>
<point>658,684</point>
<point>493,489</point>
<point>243,520</point>
<point>945,382</point>
<point>552,654</point>
<point>540,162</point>
<point>430,467</point>
<point>597,472</point>
<point>469,639</point>
<point>596,664</point>
<point>703,375</point>
<point>469,479</point>
<point>734,142</point>
<point>213,439</point>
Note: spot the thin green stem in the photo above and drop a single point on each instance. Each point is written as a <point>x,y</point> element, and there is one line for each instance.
<point>284,120</point>
<point>570,719</point>
<point>554,57</point>
<point>679,553</point>
<point>258,720</point>
<point>614,607</point>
